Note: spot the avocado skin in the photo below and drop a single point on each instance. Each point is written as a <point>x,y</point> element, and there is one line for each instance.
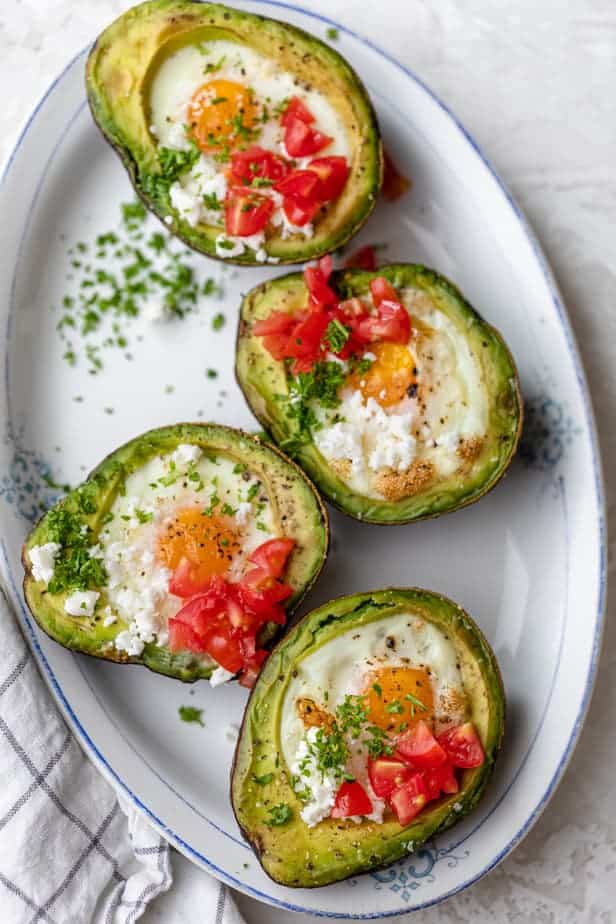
<point>262,378</point>
<point>306,519</point>
<point>297,856</point>
<point>118,74</point>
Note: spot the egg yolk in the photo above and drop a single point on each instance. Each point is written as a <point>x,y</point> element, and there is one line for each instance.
<point>209,542</point>
<point>396,695</point>
<point>219,112</point>
<point>390,376</point>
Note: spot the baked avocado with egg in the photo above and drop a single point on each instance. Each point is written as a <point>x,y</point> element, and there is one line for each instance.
<point>392,393</point>
<point>252,140</point>
<point>374,725</point>
<point>185,550</point>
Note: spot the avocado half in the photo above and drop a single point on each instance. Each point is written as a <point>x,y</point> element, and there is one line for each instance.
<point>294,854</point>
<point>119,73</point>
<point>294,501</point>
<point>265,384</point>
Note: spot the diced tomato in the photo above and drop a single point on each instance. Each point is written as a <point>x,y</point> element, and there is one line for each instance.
<point>386,774</point>
<point>224,647</point>
<point>261,594</point>
<point>394,183</point>
<point>409,799</point>
<point>441,779</point>
<point>296,110</point>
<point>382,290</point>
<point>278,322</point>
<point>182,637</point>
<point>252,668</point>
<point>300,211</point>
<point>256,162</point>
<point>300,184</point>
<point>353,308</point>
<point>419,747</point>
<point>316,282</point>
<point>462,745</point>
<point>364,258</point>
<point>203,610</point>
<point>333,173</point>
<point>301,140</point>
<point>351,799</point>
<point>326,266</point>
<point>272,555</point>
<point>246,212</point>
<point>184,583</point>
<point>391,323</point>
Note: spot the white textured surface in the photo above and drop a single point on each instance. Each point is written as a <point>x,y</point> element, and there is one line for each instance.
<point>534,83</point>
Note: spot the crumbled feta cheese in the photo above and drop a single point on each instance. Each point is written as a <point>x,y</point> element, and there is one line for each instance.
<point>322,787</point>
<point>177,137</point>
<point>219,675</point>
<point>186,203</point>
<point>42,559</point>
<point>81,602</point>
<point>186,454</point>
<point>131,644</point>
<point>367,431</point>
<point>109,620</point>
<point>168,219</point>
<point>224,250</point>
<point>370,356</point>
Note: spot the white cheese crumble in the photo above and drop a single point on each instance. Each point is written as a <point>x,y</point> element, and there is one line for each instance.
<point>322,787</point>
<point>368,434</point>
<point>81,602</point>
<point>42,559</point>
<point>186,454</point>
<point>220,675</point>
<point>131,644</point>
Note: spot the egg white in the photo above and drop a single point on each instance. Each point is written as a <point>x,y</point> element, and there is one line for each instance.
<point>137,589</point>
<point>344,665</point>
<point>455,407</point>
<point>172,88</point>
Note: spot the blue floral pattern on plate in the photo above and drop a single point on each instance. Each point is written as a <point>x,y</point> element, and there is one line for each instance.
<point>28,485</point>
<point>548,431</point>
<point>406,876</point>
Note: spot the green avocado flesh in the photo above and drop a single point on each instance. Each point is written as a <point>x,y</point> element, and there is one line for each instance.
<point>266,387</point>
<point>123,64</point>
<point>295,509</point>
<point>294,854</point>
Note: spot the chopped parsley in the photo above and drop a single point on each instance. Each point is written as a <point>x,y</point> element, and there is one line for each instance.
<point>337,335</point>
<point>143,517</point>
<point>279,815</point>
<point>128,271</point>
<point>227,510</point>
<point>264,780</point>
<point>212,202</point>
<point>395,707</point>
<point>332,33</point>
<point>415,703</point>
<point>74,569</point>
<point>191,714</point>
<point>319,386</point>
<point>218,321</point>
<point>211,373</point>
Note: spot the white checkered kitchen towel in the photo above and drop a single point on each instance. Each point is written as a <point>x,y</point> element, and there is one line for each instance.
<point>70,853</point>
